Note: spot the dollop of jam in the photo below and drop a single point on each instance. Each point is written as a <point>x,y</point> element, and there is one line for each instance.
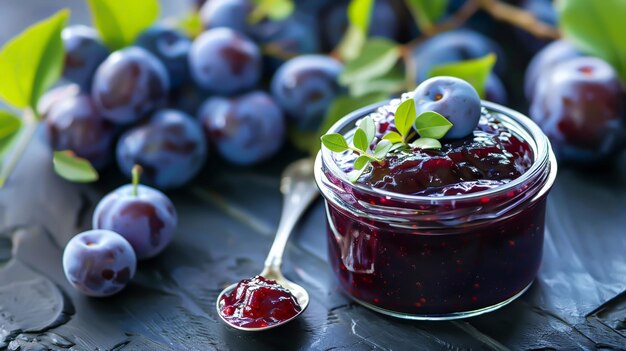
<point>259,302</point>
<point>490,157</point>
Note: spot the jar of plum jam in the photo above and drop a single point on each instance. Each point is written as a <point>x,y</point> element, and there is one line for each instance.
<point>440,234</point>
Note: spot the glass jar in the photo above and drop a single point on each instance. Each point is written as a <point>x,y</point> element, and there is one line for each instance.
<point>437,258</point>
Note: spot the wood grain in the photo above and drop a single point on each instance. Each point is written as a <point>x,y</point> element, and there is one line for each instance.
<point>226,221</point>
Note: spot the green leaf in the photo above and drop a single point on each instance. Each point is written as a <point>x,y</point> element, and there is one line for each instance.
<point>32,61</point>
<point>351,44</point>
<point>275,10</point>
<point>427,12</point>
<point>72,168</point>
<point>335,142</point>
<point>368,126</point>
<point>405,116</point>
<point>355,175</point>
<point>382,149</point>
<point>426,143</point>
<point>395,147</point>
<point>10,127</point>
<point>360,13</point>
<point>390,83</point>
<point>281,10</point>
<point>430,124</point>
<point>361,162</point>
<point>596,28</point>
<point>360,140</point>
<point>9,124</point>
<point>191,24</point>
<point>344,104</point>
<point>376,59</point>
<point>120,22</point>
<point>340,107</point>
<point>394,137</point>
<point>475,71</point>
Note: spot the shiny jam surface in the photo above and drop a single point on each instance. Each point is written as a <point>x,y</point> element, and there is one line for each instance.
<point>490,157</point>
<point>258,303</point>
<point>441,263</point>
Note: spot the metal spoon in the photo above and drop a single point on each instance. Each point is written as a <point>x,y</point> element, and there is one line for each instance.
<point>298,190</point>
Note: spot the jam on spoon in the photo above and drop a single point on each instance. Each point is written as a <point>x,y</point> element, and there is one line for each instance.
<point>259,302</point>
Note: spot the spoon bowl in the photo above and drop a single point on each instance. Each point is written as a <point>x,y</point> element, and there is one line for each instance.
<point>301,295</point>
<point>299,191</point>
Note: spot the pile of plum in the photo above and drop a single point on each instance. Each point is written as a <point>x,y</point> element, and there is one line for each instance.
<point>239,88</point>
<point>165,100</point>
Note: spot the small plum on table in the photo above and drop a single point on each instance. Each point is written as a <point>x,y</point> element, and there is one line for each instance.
<point>142,215</point>
<point>99,262</point>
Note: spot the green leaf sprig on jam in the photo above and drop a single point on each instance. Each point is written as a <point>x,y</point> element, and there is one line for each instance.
<point>428,127</point>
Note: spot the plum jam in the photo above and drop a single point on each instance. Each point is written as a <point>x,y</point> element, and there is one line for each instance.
<point>439,234</point>
<point>258,303</point>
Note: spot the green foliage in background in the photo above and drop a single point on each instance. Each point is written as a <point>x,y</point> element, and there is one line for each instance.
<point>120,22</point>
<point>596,28</point>
<point>32,61</point>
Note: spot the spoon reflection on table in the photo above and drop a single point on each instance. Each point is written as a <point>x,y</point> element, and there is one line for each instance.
<point>298,190</point>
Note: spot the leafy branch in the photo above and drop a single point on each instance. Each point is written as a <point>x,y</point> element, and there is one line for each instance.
<point>30,62</point>
<point>376,60</point>
<point>362,140</point>
<point>429,125</point>
<point>428,12</point>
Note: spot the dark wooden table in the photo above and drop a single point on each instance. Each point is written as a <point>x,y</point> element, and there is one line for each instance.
<point>227,220</point>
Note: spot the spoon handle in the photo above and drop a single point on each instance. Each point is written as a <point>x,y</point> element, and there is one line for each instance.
<point>299,190</point>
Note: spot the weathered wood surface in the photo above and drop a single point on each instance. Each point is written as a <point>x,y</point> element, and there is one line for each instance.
<point>227,220</point>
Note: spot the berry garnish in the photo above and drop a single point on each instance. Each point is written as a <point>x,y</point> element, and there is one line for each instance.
<point>453,98</point>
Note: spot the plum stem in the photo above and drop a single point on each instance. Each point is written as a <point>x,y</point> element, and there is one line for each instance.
<point>16,152</point>
<point>136,172</point>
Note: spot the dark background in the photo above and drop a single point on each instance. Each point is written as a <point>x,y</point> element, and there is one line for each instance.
<point>227,220</point>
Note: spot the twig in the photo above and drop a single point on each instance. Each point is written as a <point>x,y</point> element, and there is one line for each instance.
<point>519,18</point>
<point>469,8</point>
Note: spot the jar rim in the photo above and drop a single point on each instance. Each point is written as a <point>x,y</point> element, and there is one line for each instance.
<point>540,145</point>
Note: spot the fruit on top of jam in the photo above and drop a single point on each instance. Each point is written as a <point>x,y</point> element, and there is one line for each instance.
<point>258,302</point>
<point>453,98</point>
